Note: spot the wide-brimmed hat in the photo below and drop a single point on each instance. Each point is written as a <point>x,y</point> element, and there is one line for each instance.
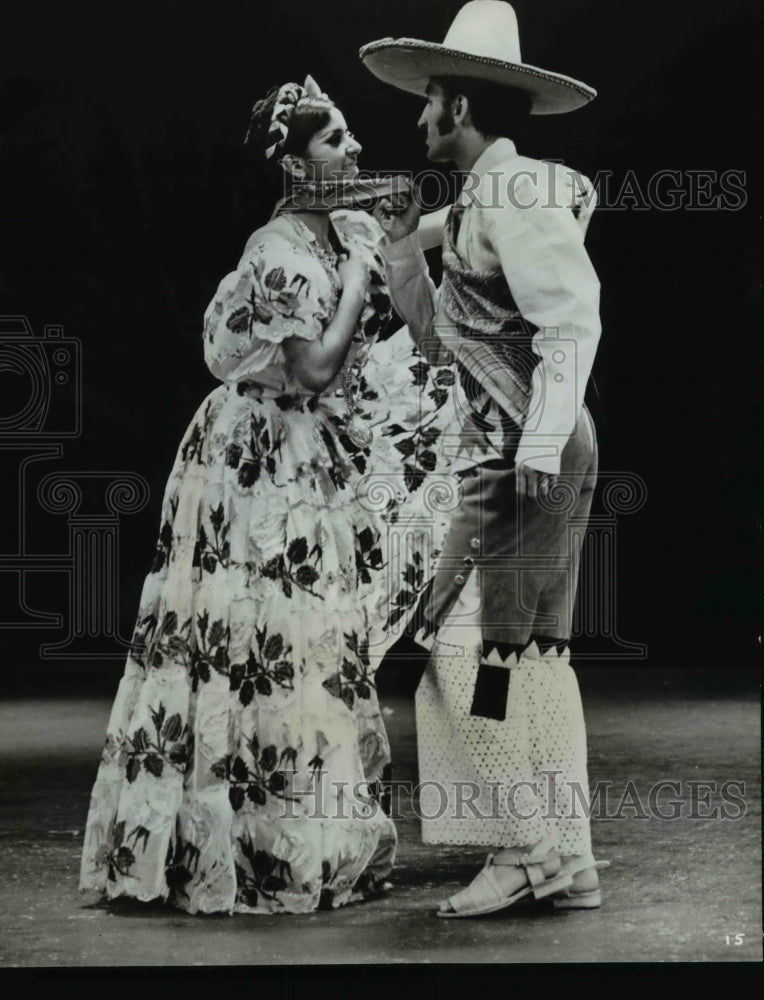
<point>483,42</point>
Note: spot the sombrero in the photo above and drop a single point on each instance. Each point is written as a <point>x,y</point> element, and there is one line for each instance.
<point>483,42</point>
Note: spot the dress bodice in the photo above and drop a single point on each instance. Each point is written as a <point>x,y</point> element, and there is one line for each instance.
<point>281,290</point>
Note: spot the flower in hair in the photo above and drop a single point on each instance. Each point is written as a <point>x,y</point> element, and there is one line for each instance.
<point>289,96</point>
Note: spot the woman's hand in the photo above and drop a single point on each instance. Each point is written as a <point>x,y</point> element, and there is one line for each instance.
<point>353,269</point>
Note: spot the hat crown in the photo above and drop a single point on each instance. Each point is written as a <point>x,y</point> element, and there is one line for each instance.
<point>486,28</point>
<point>483,43</point>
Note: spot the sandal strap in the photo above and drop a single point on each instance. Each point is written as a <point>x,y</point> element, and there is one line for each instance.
<point>544,851</point>
<point>482,890</point>
<point>535,875</point>
<point>532,862</point>
<point>582,863</point>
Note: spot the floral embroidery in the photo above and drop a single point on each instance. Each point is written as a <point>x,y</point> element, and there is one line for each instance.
<point>413,587</point>
<point>353,679</point>
<point>210,651</point>
<point>181,865</point>
<point>248,456</point>
<point>269,297</point>
<point>170,745</point>
<point>267,774</point>
<point>192,443</point>
<point>368,554</point>
<point>120,856</point>
<point>271,665</point>
<point>265,876</point>
<point>210,553</point>
<point>295,570</point>
<point>164,543</point>
<point>267,579</point>
<point>417,445</point>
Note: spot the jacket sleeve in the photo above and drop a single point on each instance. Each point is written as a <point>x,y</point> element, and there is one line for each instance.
<point>414,294</point>
<point>541,250</point>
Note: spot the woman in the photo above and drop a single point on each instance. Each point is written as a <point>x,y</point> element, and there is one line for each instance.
<point>246,746</point>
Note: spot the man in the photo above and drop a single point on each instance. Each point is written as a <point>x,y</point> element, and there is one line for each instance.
<point>502,746</point>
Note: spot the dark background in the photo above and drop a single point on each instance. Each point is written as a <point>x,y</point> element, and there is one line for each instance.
<point>126,197</point>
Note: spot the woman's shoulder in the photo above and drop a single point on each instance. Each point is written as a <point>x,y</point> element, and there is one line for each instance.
<point>275,237</point>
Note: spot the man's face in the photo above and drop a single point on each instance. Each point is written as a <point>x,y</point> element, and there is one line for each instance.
<point>437,120</point>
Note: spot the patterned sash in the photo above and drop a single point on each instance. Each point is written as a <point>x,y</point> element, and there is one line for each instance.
<point>491,340</point>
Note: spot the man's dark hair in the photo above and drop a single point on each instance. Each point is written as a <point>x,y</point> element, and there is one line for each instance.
<point>494,108</point>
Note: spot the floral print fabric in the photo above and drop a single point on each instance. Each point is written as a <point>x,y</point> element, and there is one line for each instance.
<point>246,746</point>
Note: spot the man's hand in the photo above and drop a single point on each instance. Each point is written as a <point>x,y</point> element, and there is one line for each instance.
<point>531,482</point>
<point>398,214</point>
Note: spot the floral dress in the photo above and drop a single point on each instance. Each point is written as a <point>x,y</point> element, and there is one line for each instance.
<point>246,750</point>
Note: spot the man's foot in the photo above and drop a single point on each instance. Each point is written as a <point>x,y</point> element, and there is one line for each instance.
<point>584,892</point>
<point>507,877</point>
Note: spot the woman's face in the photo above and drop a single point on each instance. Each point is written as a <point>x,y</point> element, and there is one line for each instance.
<point>332,153</point>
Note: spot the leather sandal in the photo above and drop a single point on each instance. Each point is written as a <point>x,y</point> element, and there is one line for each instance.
<point>580,899</point>
<point>484,894</point>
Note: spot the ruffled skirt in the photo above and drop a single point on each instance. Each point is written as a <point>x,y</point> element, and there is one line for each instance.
<point>246,749</point>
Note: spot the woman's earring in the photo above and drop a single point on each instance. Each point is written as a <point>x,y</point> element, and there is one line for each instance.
<point>292,167</point>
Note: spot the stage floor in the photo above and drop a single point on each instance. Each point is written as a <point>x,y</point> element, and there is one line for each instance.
<point>681,889</point>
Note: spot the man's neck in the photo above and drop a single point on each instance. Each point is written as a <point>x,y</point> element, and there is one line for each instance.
<point>472,148</point>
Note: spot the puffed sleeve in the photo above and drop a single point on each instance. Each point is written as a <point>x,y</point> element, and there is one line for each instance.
<point>358,228</point>
<point>274,293</point>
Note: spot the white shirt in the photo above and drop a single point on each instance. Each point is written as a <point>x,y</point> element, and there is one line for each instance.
<point>518,218</point>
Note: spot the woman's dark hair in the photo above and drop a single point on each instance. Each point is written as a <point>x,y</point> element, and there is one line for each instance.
<point>495,109</point>
<point>309,116</point>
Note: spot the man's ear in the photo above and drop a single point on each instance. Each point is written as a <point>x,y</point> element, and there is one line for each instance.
<point>460,107</point>
<point>293,166</point>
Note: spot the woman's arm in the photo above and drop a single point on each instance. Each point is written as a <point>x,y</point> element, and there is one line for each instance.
<point>315,363</point>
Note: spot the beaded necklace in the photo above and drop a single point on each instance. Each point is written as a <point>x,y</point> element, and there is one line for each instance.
<point>349,373</point>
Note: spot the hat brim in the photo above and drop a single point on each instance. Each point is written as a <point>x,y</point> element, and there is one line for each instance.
<point>408,64</point>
